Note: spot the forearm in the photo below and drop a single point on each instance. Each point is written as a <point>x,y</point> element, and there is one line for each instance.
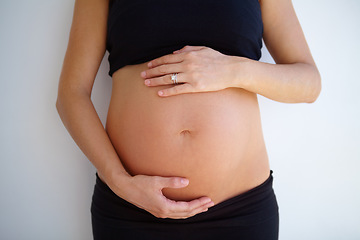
<point>288,83</point>
<point>82,122</point>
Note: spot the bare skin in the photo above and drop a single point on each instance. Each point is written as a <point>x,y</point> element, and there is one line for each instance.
<point>214,139</point>
<point>209,133</point>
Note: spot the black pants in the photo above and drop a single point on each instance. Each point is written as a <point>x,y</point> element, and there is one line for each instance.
<point>250,215</point>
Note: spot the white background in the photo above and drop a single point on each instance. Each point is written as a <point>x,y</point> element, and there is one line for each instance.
<point>46,182</point>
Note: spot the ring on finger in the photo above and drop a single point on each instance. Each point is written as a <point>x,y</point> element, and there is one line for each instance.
<point>174,78</point>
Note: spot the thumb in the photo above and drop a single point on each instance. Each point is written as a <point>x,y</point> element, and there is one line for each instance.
<point>174,182</point>
<point>188,48</point>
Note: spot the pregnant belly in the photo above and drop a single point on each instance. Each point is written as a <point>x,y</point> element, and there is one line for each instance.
<point>214,139</point>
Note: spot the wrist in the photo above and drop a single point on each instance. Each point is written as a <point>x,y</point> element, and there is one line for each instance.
<point>242,70</point>
<point>115,178</point>
<point>119,181</point>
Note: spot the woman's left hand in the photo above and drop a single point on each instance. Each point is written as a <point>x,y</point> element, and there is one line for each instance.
<point>199,68</point>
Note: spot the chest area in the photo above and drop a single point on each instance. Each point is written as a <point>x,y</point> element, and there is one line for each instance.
<point>147,18</point>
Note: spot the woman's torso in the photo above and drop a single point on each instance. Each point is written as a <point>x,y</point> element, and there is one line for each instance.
<point>212,138</point>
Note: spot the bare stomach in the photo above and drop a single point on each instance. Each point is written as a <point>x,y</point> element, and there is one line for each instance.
<point>212,138</point>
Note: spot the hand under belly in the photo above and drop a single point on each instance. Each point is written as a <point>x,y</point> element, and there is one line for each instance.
<point>214,139</point>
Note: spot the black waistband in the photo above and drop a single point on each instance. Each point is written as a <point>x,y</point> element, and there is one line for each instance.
<point>245,208</point>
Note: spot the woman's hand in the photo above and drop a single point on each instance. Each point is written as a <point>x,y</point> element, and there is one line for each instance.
<point>146,192</point>
<point>200,69</point>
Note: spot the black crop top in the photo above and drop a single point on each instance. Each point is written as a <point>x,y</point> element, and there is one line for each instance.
<point>141,30</point>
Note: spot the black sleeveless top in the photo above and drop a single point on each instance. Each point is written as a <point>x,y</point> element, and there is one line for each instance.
<point>141,30</point>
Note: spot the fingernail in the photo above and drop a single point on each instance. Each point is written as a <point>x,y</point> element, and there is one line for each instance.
<point>149,64</point>
<point>161,93</point>
<point>147,82</point>
<point>184,181</point>
<point>143,73</point>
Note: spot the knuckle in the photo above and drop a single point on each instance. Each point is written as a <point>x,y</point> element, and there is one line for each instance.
<point>166,59</point>
<point>175,90</point>
<point>162,69</point>
<point>188,209</point>
<point>166,79</point>
<point>190,54</point>
<point>200,84</point>
<point>195,75</point>
<point>173,181</point>
<point>188,66</point>
<point>162,60</point>
<point>156,181</point>
<point>192,75</point>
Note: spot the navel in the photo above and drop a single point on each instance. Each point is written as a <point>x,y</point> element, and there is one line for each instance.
<point>185,132</point>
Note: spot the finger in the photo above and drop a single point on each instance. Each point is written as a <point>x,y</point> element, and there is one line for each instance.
<point>183,206</point>
<point>163,80</point>
<point>200,202</point>
<point>187,209</point>
<point>178,89</point>
<point>202,208</point>
<point>183,215</point>
<point>172,182</point>
<point>189,48</point>
<point>173,58</point>
<point>161,70</point>
<point>166,59</point>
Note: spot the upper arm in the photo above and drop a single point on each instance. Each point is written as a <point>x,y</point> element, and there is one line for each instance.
<point>283,35</point>
<point>86,46</point>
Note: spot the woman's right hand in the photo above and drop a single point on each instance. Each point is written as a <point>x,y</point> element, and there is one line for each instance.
<point>146,192</point>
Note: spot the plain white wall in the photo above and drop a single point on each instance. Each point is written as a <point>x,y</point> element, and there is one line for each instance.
<point>46,182</point>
